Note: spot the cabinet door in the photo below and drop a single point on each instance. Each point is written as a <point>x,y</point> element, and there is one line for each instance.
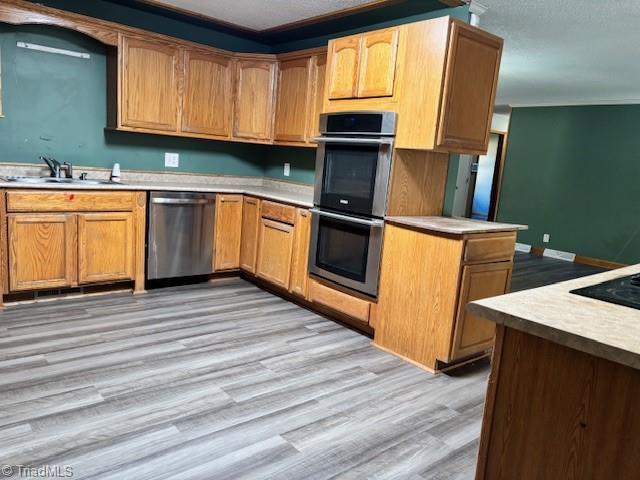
<point>228,232</point>
<point>469,90</point>
<point>249,239</point>
<point>42,251</point>
<point>377,69</point>
<point>294,100</point>
<point>300,258</point>
<point>320,77</point>
<point>207,93</point>
<point>343,67</point>
<point>149,83</point>
<point>275,246</point>
<point>472,333</point>
<point>105,247</point>
<point>255,82</point>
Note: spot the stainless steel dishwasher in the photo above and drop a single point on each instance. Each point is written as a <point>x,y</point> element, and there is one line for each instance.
<point>180,238</point>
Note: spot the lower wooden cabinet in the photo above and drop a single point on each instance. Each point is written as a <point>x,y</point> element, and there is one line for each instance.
<point>42,251</point>
<point>105,247</point>
<point>474,334</point>
<point>426,281</point>
<point>249,239</point>
<point>60,239</point>
<point>300,257</point>
<point>228,232</point>
<point>275,246</point>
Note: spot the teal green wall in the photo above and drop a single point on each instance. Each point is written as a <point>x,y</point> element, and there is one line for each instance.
<point>302,160</point>
<point>56,105</point>
<point>574,172</point>
<point>160,21</point>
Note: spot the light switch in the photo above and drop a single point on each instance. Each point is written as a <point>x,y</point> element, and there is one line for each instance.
<point>171,160</point>
<point>287,169</point>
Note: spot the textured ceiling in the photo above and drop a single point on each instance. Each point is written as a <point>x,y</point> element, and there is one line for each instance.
<point>262,14</point>
<point>564,52</point>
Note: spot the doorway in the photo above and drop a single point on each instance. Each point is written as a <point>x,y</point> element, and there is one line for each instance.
<point>479,179</point>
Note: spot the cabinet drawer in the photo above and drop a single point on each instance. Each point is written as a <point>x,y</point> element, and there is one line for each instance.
<point>279,212</point>
<point>491,248</point>
<point>339,301</point>
<point>69,201</point>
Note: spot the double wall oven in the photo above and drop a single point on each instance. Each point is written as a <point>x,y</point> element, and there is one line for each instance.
<point>353,166</point>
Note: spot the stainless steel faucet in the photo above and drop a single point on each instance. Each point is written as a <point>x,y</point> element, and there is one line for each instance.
<point>55,167</point>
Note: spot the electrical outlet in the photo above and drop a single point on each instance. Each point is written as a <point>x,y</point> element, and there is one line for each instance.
<point>171,160</point>
<point>546,238</point>
<point>287,169</point>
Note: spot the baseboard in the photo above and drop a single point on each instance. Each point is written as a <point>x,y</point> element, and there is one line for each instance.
<point>575,258</point>
<point>523,247</point>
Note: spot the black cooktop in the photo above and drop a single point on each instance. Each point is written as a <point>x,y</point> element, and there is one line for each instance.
<point>622,291</point>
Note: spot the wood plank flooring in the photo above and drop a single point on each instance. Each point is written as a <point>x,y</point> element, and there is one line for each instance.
<point>225,381</point>
<point>222,381</point>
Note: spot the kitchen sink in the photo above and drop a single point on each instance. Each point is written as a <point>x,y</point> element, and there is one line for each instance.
<point>68,181</point>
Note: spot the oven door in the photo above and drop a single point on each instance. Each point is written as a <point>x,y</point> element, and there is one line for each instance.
<point>346,250</point>
<point>352,174</point>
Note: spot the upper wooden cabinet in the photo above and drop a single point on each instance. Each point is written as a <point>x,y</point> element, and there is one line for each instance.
<point>377,69</point>
<point>255,88</point>
<point>438,75</point>
<point>149,84</point>
<point>207,98</point>
<point>469,89</point>
<point>343,71</point>
<point>363,66</point>
<point>228,231</point>
<point>318,93</point>
<point>294,100</point>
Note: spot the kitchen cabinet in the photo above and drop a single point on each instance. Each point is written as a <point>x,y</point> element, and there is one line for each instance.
<point>377,64</point>
<point>363,66</point>
<point>149,84</point>
<point>294,100</point>
<point>300,257</point>
<point>228,231</point>
<point>250,230</point>
<point>61,239</point>
<point>275,247</point>
<point>42,251</point>
<point>343,69</point>
<point>105,247</point>
<point>421,313</point>
<point>473,334</point>
<point>207,98</point>
<point>318,95</point>
<point>447,107</point>
<point>255,88</point>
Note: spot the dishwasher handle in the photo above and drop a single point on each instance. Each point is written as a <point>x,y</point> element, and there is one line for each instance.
<point>182,201</point>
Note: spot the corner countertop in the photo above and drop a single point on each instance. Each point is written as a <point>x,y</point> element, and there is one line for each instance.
<point>454,225</point>
<point>592,326</point>
<point>295,197</point>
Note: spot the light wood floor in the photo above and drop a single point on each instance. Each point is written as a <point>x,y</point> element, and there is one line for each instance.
<point>222,381</point>
<point>226,381</point>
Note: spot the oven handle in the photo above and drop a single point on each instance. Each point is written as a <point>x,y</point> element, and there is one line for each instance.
<point>348,218</point>
<point>355,141</point>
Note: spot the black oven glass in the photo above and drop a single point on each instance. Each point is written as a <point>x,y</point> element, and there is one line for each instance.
<point>354,123</point>
<point>349,177</point>
<point>343,248</point>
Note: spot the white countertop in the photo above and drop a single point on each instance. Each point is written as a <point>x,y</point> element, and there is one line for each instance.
<point>454,225</point>
<point>599,328</point>
<point>302,199</point>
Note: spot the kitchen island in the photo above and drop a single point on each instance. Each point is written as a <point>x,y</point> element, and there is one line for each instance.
<point>564,385</point>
